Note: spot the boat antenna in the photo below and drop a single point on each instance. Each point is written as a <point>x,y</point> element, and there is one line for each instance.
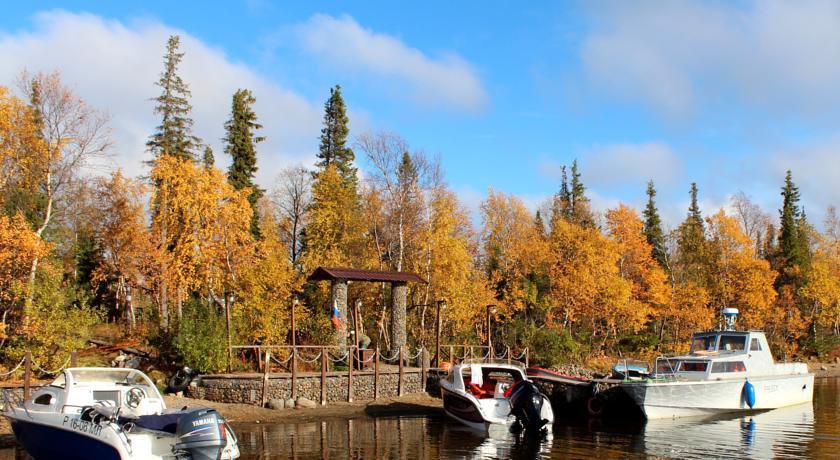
<point>729,316</point>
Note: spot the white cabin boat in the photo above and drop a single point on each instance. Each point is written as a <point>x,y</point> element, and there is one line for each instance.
<point>114,414</point>
<point>725,371</point>
<point>480,394</point>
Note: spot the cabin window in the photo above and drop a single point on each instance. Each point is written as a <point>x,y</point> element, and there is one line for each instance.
<point>755,345</point>
<point>703,343</point>
<point>46,399</point>
<point>728,366</point>
<point>732,343</point>
<point>666,366</point>
<point>693,366</point>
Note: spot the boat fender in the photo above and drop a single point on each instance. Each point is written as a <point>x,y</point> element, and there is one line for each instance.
<point>595,406</point>
<point>749,394</point>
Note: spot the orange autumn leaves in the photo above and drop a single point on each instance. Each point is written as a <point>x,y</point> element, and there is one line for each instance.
<point>606,282</point>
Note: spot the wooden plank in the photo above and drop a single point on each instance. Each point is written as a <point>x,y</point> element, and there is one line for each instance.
<point>265,378</point>
<point>400,383</point>
<point>323,376</point>
<point>350,375</point>
<point>27,375</point>
<point>74,358</point>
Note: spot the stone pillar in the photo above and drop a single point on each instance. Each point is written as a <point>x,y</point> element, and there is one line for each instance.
<point>399,294</point>
<point>338,300</point>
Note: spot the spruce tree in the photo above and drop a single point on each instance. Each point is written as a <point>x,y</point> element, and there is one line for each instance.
<point>174,134</point>
<point>208,159</point>
<point>789,214</point>
<point>653,226</point>
<point>539,224</point>
<point>561,205</point>
<point>240,144</point>
<point>691,242</point>
<point>580,212</point>
<point>334,149</point>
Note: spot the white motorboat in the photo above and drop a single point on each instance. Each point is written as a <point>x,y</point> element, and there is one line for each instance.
<point>114,413</point>
<point>725,371</point>
<point>485,394</point>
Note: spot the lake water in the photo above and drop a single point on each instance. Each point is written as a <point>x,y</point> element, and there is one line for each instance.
<point>807,431</point>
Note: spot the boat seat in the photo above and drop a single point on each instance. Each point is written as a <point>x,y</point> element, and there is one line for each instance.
<point>479,392</point>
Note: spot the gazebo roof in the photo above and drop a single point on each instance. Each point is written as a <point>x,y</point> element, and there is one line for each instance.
<point>354,274</point>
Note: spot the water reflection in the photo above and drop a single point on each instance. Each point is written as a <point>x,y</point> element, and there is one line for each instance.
<point>800,431</point>
<point>806,431</point>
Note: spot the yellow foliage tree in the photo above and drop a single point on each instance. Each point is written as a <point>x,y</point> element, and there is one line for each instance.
<point>265,288</point>
<point>586,283</point>
<point>823,284</point>
<point>513,248</point>
<point>202,228</point>
<point>736,277</point>
<point>18,246</point>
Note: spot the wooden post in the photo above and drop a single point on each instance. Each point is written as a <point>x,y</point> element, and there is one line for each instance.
<point>323,376</point>
<point>451,355</point>
<point>350,375</point>
<point>423,369</point>
<point>74,358</point>
<point>27,375</point>
<point>294,373</point>
<point>527,356</point>
<point>376,373</point>
<point>400,383</point>
<point>508,355</point>
<point>227,329</point>
<point>440,304</point>
<point>267,367</point>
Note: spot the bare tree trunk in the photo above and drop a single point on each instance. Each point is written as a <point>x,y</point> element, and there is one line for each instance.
<point>33,269</point>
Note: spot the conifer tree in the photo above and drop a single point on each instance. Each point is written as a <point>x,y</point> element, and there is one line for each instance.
<point>691,242</point>
<point>539,224</point>
<point>334,149</point>
<point>241,141</point>
<point>561,206</point>
<point>792,246</point>
<point>174,134</point>
<point>580,212</point>
<point>208,159</point>
<point>653,226</point>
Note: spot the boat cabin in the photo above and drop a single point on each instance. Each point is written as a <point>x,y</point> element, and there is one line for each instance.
<point>722,355</point>
<point>77,388</point>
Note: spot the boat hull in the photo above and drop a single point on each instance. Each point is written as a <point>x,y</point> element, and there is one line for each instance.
<point>708,397</point>
<point>45,441</point>
<point>463,410</point>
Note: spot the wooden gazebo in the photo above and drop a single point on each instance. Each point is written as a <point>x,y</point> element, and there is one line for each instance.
<point>339,277</point>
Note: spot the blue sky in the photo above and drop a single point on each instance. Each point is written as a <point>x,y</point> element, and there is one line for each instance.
<point>727,94</point>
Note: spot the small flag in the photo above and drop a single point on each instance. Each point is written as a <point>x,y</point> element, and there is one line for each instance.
<point>336,317</point>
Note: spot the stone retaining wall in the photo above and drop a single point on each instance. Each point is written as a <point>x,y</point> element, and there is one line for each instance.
<point>247,389</point>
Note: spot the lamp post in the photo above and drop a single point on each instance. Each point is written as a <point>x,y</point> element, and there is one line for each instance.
<point>491,309</point>
<point>441,305</point>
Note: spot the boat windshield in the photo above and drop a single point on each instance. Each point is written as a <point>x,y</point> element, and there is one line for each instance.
<point>117,376</point>
<point>731,342</point>
<point>703,343</point>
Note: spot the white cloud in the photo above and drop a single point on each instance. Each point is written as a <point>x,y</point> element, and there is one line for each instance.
<point>447,80</point>
<point>113,66</point>
<point>682,56</point>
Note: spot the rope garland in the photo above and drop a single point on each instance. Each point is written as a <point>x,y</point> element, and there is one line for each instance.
<point>6,374</point>
<point>316,358</point>
<point>45,371</point>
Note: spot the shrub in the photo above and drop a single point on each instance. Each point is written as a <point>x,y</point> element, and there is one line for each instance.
<point>201,339</point>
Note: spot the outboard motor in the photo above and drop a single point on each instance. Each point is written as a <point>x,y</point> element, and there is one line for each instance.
<point>202,435</point>
<point>526,403</point>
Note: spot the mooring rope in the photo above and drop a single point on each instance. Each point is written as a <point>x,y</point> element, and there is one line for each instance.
<point>6,374</point>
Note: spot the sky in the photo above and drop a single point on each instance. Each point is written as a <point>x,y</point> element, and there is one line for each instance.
<point>726,94</point>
